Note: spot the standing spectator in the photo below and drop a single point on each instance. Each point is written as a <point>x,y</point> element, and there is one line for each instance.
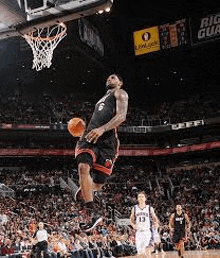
<point>42,237</point>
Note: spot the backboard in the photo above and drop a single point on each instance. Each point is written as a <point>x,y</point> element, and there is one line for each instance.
<point>23,16</point>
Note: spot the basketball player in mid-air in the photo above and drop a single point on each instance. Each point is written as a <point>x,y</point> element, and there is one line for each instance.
<point>179,225</point>
<point>97,150</point>
<point>142,219</point>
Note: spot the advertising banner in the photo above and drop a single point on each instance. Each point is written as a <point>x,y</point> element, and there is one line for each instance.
<point>32,127</point>
<point>146,41</point>
<point>129,151</point>
<point>205,28</point>
<point>6,126</point>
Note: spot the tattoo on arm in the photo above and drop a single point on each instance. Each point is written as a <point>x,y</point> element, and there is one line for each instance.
<point>121,110</point>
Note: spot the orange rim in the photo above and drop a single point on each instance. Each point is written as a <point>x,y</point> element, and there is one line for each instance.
<point>38,38</point>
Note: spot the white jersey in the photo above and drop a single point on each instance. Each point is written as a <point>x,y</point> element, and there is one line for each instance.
<point>143,219</point>
<point>42,235</point>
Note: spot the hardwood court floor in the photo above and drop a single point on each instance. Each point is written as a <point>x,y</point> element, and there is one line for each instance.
<point>188,254</point>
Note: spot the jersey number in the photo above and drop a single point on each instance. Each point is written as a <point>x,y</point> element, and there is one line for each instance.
<point>142,219</point>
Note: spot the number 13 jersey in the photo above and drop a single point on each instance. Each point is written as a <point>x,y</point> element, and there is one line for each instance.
<point>143,219</point>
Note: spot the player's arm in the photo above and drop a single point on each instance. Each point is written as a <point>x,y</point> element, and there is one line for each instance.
<point>188,223</point>
<point>120,116</point>
<point>154,218</point>
<point>132,219</point>
<point>171,223</point>
<point>121,110</point>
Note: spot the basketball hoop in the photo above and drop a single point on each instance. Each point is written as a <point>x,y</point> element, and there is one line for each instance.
<point>43,41</point>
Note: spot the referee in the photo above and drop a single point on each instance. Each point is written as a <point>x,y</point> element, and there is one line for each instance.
<point>42,236</point>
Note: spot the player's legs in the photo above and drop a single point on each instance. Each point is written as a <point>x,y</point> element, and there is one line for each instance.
<point>161,245</point>
<point>143,243</point>
<point>156,239</point>
<point>181,248</point>
<point>101,159</point>
<point>85,162</point>
<point>176,241</point>
<point>79,196</point>
<point>141,255</point>
<point>156,248</point>
<point>85,182</point>
<point>179,243</point>
<point>97,186</point>
<point>148,252</point>
<point>177,248</point>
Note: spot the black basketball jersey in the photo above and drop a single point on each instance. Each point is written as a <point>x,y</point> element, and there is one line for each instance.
<point>179,222</point>
<point>104,111</point>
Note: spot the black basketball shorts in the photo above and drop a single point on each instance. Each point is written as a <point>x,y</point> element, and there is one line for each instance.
<point>102,154</point>
<point>178,236</point>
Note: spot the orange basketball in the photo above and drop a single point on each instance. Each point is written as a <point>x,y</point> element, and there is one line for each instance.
<point>76,126</point>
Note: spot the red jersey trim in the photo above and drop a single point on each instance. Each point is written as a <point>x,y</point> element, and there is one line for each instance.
<point>79,151</point>
<point>103,169</point>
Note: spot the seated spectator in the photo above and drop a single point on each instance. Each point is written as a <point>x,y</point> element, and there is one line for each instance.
<point>7,248</point>
<point>62,247</point>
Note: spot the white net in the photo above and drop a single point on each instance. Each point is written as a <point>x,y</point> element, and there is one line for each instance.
<point>43,42</point>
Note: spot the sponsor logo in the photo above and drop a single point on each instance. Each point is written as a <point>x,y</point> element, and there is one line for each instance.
<point>146,40</point>
<point>108,163</point>
<point>146,36</point>
<point>209,27</point>
<point>146,45</point>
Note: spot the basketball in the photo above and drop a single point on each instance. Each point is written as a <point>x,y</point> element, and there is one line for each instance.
<point>76,127</point>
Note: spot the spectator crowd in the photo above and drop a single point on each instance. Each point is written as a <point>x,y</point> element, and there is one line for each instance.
<point>42,198</point>
<point>45,109</point>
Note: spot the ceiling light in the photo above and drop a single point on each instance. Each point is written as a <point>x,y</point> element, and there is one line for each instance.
<point>108,9</point>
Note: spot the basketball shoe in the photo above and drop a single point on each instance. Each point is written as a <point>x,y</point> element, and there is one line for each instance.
<point>78,197</point>
<point>95,219</point>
